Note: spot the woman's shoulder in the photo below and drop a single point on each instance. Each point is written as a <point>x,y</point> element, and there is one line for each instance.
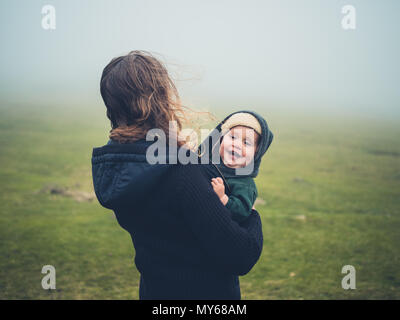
<point>190,179</point>
<point>190,171</point>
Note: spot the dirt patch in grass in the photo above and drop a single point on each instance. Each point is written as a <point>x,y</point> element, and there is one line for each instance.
<point>77,195</point>
<point>385,153</point>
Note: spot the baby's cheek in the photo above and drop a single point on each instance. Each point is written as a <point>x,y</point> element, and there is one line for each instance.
<point>250,154</point>
<point>221,151</point>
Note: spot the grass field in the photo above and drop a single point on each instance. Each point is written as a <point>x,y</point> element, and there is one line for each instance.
<point>330,190</point>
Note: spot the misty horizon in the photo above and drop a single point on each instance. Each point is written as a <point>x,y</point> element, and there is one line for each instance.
<point>261,54</point>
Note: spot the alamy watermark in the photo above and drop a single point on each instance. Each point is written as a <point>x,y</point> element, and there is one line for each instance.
<point>349,18</point>
<point>348,21</point>
<point>349,280</point>
<point>48,17</point>
<point>163,151</point>
<point>49,280</point>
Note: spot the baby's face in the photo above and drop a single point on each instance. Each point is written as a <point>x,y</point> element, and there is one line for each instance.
<point>238,147</point>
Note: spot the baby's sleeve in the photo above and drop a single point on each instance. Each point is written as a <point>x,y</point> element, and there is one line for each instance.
<point>241,200</point>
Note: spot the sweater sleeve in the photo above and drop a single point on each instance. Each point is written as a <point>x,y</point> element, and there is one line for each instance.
<point>234,248</point>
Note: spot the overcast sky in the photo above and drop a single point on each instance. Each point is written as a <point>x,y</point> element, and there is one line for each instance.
<point>287,53</point>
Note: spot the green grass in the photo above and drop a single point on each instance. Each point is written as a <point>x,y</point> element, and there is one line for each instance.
<point>331,186</point>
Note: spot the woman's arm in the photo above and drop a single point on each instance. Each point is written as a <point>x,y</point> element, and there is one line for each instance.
<point>235,248</point>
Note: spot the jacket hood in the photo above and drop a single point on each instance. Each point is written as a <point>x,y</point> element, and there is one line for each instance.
<point>122,175</point>
<point>209,149</point>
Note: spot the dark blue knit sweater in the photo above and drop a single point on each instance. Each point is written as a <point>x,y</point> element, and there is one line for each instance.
<point>187,245</point>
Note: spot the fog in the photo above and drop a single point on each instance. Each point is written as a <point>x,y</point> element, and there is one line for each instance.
<point>271,54</point>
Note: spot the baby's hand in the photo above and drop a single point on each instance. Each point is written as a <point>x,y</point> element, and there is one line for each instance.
<point>219,188</point>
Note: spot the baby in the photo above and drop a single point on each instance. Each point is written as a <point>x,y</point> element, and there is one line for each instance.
<point>242,134</point>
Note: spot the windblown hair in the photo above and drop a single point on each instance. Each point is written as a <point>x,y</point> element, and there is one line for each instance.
<point>139,95</point>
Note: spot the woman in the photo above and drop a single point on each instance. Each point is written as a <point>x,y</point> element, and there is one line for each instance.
<point>187,246</point>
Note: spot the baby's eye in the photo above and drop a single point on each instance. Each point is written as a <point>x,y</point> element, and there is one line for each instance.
<point>248,143</point>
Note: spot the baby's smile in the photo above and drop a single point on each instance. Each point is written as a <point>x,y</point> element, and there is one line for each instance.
<point>238,147</point>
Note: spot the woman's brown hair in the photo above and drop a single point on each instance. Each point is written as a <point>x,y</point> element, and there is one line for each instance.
<point>139,95</point>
